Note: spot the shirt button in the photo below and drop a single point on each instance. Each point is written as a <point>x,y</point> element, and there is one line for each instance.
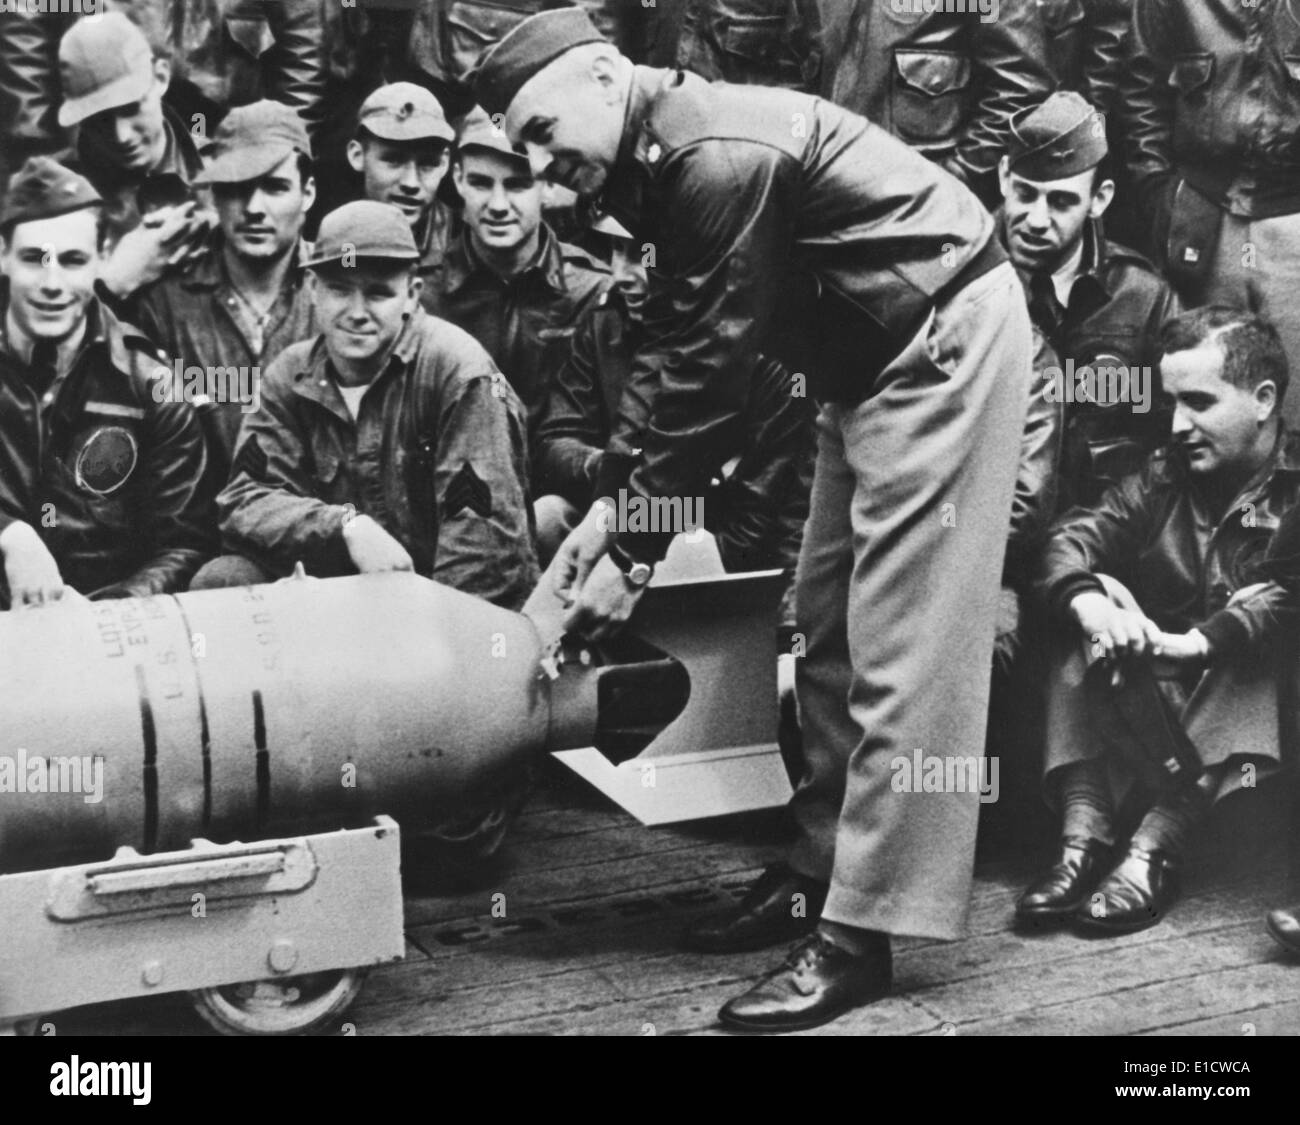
<point>49,398</point>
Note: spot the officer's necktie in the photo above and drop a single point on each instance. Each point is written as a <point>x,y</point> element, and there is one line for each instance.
<point>44,365</point>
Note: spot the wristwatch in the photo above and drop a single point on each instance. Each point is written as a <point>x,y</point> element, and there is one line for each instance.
<point>638,574</point>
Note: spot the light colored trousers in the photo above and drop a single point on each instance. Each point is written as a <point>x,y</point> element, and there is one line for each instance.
<point>898,586</point>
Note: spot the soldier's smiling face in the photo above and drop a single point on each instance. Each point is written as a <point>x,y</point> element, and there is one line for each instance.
<point>570,117</point>
<point>362,308</point>
<point>404,173</point>
<point>503,202</point>
<point>51,265</point>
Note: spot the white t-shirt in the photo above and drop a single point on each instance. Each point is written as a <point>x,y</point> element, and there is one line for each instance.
<point>352,396</point>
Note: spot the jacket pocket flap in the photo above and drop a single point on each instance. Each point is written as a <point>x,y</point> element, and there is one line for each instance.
<point>752,37</point>
<point>934,73</point>
<point>1191,72</point>
<point>254,35</point>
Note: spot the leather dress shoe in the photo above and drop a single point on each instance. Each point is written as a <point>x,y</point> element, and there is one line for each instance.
<point>766,915</point>
<point>1284,927</point>
<point>818,982</point>
<point>1137,894</point>
<point>1077,871</point>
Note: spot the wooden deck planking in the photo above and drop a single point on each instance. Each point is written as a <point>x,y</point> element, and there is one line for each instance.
<point>594,904</point>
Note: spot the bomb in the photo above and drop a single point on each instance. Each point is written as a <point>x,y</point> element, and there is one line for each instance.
<point>300,706</point>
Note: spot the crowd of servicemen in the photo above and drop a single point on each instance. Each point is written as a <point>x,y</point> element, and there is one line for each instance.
<point>447,375</point>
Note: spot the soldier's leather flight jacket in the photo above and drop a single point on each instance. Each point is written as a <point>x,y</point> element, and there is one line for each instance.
<point>1156,533</point>
<point>1212,98</point>
<point>111,478</point>
<point>945,82</point>
<point>1117,306</point>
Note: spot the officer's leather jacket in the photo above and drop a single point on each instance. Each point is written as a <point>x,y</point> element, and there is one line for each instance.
<point>1117,305</point>
<point>947,83</point>
<point>111,477</point>
<point>1213,98</point>
<point>757,512</point>
<point>1156,532</point>
<point>784,224</point>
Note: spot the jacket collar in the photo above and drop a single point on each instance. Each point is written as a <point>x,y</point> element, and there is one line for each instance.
<point>464,263</point>
<point>625,187</point>
<point>103,331</point>
<point>316,380</point>
<point>1090,291</point>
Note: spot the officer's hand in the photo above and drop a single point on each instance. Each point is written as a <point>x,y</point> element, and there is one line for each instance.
<point>603,603</point>
<point>372,549</point>
<point>30,570</point>
<point>585,545</point>
<point>144,254</point>
<point>1111,631</point>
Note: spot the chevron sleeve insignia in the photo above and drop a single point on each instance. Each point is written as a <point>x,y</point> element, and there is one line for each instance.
<point>467,490</point>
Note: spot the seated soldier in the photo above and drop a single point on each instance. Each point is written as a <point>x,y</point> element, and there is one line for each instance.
<point>101,478</point>
<point>510,283</point>
<point>388,442</point>
<point>138,154</point>
<point>1178,634</point>
<point>244,301</point>
<point>1100,305</point>
<point>402,149</point>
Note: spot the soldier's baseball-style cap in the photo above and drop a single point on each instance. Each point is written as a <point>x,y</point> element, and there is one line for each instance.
<point>43,188</point>
<point>251,140</point>
<point>525,50</point>
<point>403,111</point>
<point>105,62</point>
<point>1060,138</point>
<point>364,229</point>
<point>478,131</point>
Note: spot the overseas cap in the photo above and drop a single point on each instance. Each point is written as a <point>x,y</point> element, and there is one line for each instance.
<point>104,62</point>
<point>477,131</point>
<point>364,229</point>
<point>1060,138</point>
<point>251,140</point>
<point>44,188</point>
<point>403,111</point>
<point>528,48</point>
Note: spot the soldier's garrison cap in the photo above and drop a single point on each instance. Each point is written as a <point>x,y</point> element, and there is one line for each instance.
<point>43,188</point>
<point>1060,138</point>
<point>526,49</point>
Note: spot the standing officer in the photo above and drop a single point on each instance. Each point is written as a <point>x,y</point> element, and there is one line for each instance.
<point>244,301</point>
<point>387,442</point>
<point>917,338</point>
<point>1212,105</point>
<point>135,150</point>
<point>1099,304</point>
<point>510,282</point>
<point>101,478</point>
<point>402,149</point>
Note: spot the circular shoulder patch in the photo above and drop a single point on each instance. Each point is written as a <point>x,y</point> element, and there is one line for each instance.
<point>106,460</point>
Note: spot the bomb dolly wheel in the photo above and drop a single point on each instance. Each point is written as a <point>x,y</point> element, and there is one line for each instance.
<point>297,1005</point>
